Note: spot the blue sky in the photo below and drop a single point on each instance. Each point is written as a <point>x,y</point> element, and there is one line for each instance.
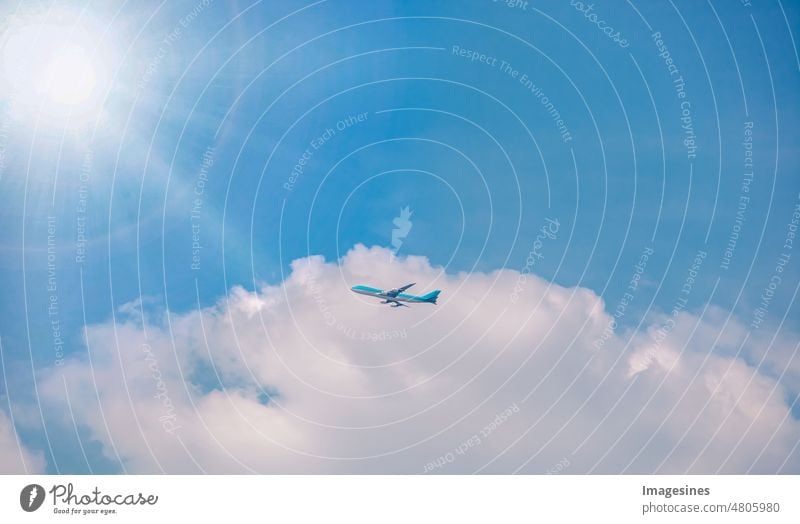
<point>233,100</point>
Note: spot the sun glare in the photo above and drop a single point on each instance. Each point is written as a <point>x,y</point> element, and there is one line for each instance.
<point>52,68</point>
<point>69,77</point>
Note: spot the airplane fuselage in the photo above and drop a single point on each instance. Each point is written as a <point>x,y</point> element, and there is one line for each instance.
<point>399,297</point>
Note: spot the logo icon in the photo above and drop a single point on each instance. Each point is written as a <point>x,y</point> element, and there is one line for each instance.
<point>402,227</point>
<point>31,497</point>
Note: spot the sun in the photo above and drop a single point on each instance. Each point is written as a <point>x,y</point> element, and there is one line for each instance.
<point>53,68</point>
<point>69,78</point>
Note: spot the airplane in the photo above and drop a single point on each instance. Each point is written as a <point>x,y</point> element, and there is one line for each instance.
<point>396,297</point>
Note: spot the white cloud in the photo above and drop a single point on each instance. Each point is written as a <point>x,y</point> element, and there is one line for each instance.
<point>15,458</point>
<point>359,387</point>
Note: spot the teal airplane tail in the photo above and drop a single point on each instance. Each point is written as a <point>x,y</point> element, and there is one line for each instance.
<point>432,296</point>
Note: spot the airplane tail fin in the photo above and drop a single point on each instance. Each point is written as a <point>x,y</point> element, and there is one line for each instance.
<point>431,297</point>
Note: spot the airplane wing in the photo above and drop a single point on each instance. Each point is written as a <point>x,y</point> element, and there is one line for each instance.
<point>393,303</point>
<point>397,291</point>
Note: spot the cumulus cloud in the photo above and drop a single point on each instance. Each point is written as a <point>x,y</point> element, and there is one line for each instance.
<point>307,377</point>
<point>15,458</point>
